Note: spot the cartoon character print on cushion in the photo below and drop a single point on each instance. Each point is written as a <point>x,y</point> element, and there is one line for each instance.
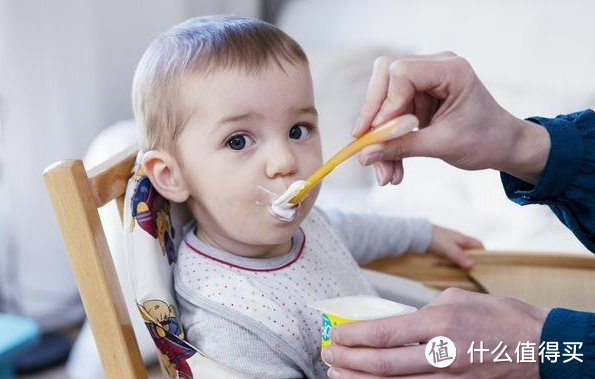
<point>152,213</point>
<point>164,315</point>
<point>166,331</point>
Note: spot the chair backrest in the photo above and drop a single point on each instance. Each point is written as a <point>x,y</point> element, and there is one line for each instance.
<point>76,196</point>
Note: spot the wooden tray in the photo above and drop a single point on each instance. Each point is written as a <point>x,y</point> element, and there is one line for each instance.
<point>546,280</point>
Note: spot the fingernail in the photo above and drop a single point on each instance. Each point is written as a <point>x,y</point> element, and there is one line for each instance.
<point>373,157</point>
<point>394,179</point>
<point>357,126</point>
<point>334,335</point>
<point>379,176</point>
<point>327,356</point>
<point>333,373</point>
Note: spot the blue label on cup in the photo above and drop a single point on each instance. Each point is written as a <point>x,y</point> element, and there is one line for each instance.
<point>326,328</point>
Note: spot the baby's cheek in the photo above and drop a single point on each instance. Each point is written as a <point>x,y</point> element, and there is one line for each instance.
<point>241,204</point>
<point>230,189</point>
<point>308,204</point>
<point>234,197</point>
<point>311,163</point>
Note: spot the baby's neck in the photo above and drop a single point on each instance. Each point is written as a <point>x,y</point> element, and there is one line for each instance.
<point>241,249</point>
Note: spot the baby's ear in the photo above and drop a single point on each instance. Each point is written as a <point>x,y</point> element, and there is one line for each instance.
<point>165,175</point>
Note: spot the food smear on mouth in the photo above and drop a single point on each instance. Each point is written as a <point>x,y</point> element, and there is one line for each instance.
<point>281,208</point>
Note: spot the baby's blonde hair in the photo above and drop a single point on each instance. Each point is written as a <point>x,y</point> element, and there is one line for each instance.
<point>202,44</point>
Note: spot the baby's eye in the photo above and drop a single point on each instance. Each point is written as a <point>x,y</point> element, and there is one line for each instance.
<point>240,142</point>
<point>299,131</point>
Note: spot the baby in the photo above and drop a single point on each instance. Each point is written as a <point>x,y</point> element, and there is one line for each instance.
<point>225,107</point>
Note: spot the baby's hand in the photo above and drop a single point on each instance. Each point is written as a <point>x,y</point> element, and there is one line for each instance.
<point>450,244</point>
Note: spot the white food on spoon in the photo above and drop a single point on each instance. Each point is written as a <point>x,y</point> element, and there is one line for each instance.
<point>282,208</point>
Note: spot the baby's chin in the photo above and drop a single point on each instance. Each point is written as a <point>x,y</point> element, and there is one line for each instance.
<point>275,232</point>
<point>265,229</point>
<point>279,232</point>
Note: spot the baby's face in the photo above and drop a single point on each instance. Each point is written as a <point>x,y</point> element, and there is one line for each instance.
<point>246,131</point>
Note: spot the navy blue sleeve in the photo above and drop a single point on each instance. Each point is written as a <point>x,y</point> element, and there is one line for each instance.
<point>565,325</point>
<point>567,184</point>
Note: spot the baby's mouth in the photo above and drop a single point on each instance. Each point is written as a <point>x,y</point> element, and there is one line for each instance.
<point>279,205</point>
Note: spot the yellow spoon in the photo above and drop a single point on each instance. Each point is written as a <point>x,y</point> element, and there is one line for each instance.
<point>386,131</point>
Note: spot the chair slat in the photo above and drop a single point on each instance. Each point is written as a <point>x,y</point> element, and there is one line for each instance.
<point>109,179</point>
<point>75,206</point>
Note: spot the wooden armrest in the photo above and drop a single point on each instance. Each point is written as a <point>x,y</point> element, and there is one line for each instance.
<point>432,271</point>
<point>542,279</point>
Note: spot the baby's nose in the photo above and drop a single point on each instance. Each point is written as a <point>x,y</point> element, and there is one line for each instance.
<point>281,162</point>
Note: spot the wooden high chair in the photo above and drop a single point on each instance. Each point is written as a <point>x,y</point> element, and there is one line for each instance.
<point>77,194</point>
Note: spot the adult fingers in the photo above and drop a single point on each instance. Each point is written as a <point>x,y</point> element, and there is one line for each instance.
<point>424,107</point>
<point>389,172</point>
<point>398,172</point>
<point>384,172</point>
<point>404,360</point>
<point>379,85</point>
<point>402,95</point>
<point>339,373</point>
<point>409,76</point>
<point>414,327</point>
<point>455,298</point>
<point>374,96</point>
<point>372,154</point>
<point>427,142</point>
<point>399,97</point>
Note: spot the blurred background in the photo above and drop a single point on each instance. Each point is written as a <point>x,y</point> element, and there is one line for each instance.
<point>65,76</point>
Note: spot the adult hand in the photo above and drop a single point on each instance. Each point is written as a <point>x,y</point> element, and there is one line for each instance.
<point>374,349</point>
<point>460,122</point>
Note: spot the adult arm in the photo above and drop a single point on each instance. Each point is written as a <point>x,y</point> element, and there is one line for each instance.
<point>567,183</point>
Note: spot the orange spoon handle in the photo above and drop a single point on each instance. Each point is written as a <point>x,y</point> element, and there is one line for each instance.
<point>386,131</point>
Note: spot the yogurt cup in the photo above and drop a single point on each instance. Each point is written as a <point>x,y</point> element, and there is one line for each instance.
<point>348,309</point>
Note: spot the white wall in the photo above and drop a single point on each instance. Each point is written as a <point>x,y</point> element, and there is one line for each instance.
<point>537,56</point>
<point>65,73</point>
